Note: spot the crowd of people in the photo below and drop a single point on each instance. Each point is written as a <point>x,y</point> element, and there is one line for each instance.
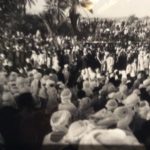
<point>62,90</point>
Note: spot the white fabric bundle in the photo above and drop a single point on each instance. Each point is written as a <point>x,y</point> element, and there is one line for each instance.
<point>77,130</point>
<point>108,137</point>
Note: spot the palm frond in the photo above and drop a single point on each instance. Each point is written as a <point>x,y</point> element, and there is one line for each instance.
<point>30,2</point>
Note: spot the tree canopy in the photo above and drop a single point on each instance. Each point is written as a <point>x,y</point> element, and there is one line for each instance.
<point>12,12</point>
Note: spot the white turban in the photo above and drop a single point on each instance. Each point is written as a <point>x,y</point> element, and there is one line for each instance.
<point>111,105</point>
<point>143,109</point>
<point>146,82</point>
<point>132,100</point>
<point>65,95</point>
<point>124,115</point>
<point>60,120</point>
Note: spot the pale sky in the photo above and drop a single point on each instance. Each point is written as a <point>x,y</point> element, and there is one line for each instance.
<point>109,8</point>
<point>39,7</point>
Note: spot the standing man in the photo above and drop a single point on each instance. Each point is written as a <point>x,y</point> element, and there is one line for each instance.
<point>110,63</point>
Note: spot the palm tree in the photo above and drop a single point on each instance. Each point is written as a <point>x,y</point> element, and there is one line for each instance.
<point>74,16</point>
<point>57,18</point>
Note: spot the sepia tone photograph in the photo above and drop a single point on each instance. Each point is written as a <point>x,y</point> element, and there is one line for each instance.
<point>74,74</point>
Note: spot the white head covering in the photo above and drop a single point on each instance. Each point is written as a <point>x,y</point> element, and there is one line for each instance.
<point>60,120</point>
<point>49,83</point>
<point>103,113</point>
<point>123,88</point>
<point>112,95</point>
<point>92,75</point>
<point>84,102</point>
<point>37,75</point>
<point>143,86</point>
<point>143,109</point>
<point>111,105</point>
<point>65,95</point>
<point>84,74</point>
<point>61,85</point>
<point>44,78</point>
<point>124,75</point>
<point>87,88</point>
<point>66,66</point>
<point>146,82</point>
<point>132,100</point>
<point>34,71</point>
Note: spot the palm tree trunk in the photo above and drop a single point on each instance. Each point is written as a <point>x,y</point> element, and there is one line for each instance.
<point>46,24</point>
<point>24,8</point>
